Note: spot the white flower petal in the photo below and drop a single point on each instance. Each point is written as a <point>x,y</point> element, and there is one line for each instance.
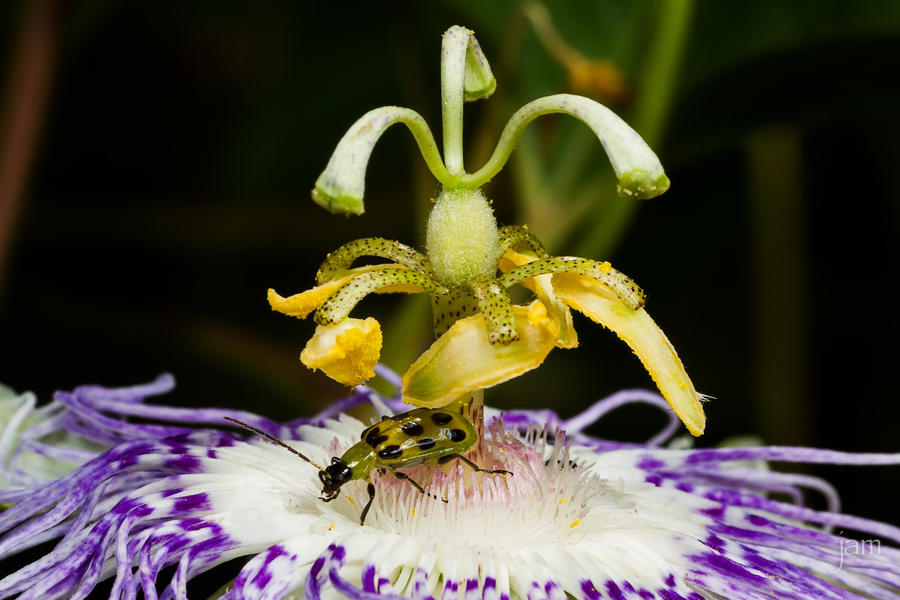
<point>593,520</point>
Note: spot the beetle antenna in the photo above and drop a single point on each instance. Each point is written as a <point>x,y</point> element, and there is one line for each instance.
<point>274,440</point>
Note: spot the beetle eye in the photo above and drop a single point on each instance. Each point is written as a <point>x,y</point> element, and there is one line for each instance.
<point>324,477</point>
<point>334,459</point>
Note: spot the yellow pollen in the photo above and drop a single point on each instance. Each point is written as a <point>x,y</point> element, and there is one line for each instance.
<point>575,523</point>
<point>331,527</point>
<point>351,500</point>
<point>605,266</point>
<point>563,501</point>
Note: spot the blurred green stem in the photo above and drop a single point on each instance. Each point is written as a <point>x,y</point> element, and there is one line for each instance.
<point>780,266</point>
<point>656,84</point>
<point>655,91</point>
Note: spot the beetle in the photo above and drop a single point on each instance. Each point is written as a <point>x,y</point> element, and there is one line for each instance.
<point>422,435</point>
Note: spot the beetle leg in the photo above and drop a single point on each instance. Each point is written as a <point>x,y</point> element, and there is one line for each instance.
<point>406,477</point>
<point>416,485</point>
<point>448,457</point>
<point>362,516</point>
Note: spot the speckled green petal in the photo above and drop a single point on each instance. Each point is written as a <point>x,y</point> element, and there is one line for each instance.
<point>518,238</point>
<point>622,285</point>
<point>542,286</point>
<point>462,360</point>
<point>457,303</point>
<point>646,339</point>
<point>337,262</point>
<point>339,305</point>
<point>301,304</point>
<point>494,303</point>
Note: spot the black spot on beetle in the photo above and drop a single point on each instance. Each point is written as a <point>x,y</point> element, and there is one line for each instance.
<point>440,418</point>
<point>390,452</point>
<point>375,438</point>
<point>377,441</point>
<point>457,435</point>
<point>412,428</point>
<point>425,443</point>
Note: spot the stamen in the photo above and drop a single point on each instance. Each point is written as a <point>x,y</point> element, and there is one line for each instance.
<point>448,308</point>
<point>342,259</point>
<point>623,286</point>
<point>494,303</point>
<point>339,305</point>
<point>520,239</point>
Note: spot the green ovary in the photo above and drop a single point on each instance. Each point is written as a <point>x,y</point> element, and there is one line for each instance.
<point>461,238</point>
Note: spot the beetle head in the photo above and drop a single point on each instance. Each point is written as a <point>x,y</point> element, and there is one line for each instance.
<point>333,477</point>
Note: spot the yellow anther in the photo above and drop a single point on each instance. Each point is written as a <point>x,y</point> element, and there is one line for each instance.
<point>347,352</point>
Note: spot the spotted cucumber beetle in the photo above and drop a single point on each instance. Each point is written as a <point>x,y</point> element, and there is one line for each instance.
<point>422,435</point>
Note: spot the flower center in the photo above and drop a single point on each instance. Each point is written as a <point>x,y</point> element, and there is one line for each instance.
<point>543,501</point>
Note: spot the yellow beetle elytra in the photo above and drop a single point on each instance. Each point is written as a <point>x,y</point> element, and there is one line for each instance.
<point>422,435</point>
